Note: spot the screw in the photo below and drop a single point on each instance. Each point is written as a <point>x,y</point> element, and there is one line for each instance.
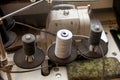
<point>28,37</point>
<point>114,53</point>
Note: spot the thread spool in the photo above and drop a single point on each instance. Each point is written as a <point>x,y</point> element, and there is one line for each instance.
<point>29,56</point>
<point>95,35</point>
<point>63,43</point>
<point>63,52</point>
<point>29,44</point>
<point>90,47</point>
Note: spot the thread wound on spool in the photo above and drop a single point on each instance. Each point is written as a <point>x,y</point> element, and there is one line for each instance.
<point>95,34</point>
<point>63,43</point>
<point>28,44</point>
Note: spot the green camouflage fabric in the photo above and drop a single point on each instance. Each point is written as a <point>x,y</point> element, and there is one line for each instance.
<point>93,69</point>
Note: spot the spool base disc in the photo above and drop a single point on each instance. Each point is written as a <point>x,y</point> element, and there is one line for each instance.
<point>12,38</point>
<point>19,59</point>
<point>83,47</point>
<point>60,61</point>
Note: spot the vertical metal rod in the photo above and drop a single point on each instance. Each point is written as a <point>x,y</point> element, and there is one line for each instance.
<point>19,10</point>
<point>9,76</point>
<point>3,55</point>
<point>2,50</point>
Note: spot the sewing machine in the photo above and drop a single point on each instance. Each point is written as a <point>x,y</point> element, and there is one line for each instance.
<point>53,65</point>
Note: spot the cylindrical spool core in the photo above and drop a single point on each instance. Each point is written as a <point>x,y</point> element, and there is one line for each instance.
<point>29,46</point>
<point>63,44</point>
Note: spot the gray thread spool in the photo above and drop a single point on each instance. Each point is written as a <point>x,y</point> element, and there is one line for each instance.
<point>63,44</point>
<point>29,46</point>
<point>30,56</point>
<point>95,35</point>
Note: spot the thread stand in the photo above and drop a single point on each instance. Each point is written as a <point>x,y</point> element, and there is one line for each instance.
<point>29,56</point>
<point>20,61</point>
<point>93,47</point>
<point>60,61</point>
<point>63,52</point>
<point>83,47</point>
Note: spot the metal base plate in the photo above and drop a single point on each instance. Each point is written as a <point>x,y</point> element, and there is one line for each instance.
<point>19,59</point>
<point>60,61</point>
<point>83,47</point>
<point>12,38</point>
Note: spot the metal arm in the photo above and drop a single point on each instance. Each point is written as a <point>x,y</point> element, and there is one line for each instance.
<point>3,55</point>
<point>20,10</point>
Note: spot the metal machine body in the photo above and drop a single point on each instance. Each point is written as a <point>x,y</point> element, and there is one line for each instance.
<point>76,20</point>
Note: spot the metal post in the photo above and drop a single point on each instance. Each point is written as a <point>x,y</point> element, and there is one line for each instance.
<point>20,10</point>
<point>3,55</point>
